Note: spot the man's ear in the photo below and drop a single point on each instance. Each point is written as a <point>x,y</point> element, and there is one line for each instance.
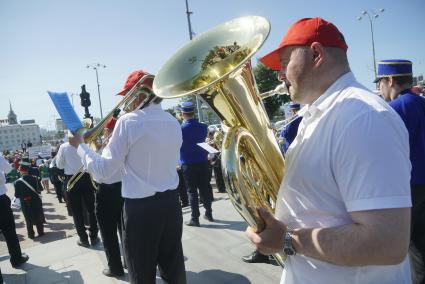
<point>391,82</point>
<point>318,53</point>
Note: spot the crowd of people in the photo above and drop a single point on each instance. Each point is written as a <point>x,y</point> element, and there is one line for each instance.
<point>351,204</point>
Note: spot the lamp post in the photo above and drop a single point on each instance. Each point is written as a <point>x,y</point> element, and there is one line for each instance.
<point>95,67</point>
<point>371,15</point>
<point>191,33</point>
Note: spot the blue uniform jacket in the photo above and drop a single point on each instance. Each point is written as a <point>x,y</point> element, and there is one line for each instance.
<point>290,132</point>
<point>411,109</point>
<point>193,132</point>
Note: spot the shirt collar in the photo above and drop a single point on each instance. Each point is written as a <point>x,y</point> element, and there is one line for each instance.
<point>153,106</point>
<point>326,99</point>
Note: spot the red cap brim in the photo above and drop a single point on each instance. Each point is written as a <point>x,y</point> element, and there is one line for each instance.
<point>272,60</point>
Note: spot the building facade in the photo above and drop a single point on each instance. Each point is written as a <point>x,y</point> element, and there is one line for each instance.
<point>14,136</point>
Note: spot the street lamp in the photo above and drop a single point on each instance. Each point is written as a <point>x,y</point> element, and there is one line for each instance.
<point>371,15</point>
<point>95,67</point>
<point>191,34</point>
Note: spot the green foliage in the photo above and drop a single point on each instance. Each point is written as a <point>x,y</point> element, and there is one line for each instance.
<point>267,80</point>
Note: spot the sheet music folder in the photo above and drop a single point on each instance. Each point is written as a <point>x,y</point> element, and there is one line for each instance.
<point>208,148</point>
<point>66,111</point>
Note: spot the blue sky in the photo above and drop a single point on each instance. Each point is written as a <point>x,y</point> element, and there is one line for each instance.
<point>46,44</point>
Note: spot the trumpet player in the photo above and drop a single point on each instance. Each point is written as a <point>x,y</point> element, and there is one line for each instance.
<point>144,147</point>
<point>83,191</point>
<point>108,209</point>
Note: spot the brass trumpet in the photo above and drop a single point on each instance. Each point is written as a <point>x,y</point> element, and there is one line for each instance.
<point>216,65</point>
<point>93,137</point>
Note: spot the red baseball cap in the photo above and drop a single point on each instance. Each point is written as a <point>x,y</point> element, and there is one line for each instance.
<point>303,33</point>
<point>132,80</point>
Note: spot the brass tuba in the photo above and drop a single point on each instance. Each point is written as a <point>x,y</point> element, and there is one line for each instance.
<point>93,137</point>
<point>216,65</point>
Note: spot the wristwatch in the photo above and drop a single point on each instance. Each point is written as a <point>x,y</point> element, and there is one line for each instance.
<point>288,248</point>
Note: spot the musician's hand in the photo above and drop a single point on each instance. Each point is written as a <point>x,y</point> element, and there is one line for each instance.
<point>76,139</point>
<point>116,113</point>
<point>270,240</point>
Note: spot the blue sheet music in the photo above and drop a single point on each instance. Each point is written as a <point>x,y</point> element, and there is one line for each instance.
<point>66,111</point>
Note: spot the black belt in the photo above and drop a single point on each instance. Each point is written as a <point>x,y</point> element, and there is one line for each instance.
<point>157,195</point>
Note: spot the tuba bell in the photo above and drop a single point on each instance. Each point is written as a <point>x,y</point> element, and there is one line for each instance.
<point>216,66</point>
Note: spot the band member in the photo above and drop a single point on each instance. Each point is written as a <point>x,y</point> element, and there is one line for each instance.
<point>395,82</point>
<point>194,164</point>
<point>108,212</point>
<point>55,178</point>
<point>83,191</point>
<point>7,221</point>
<point>289,131</point>
<point>343,209</point>
<point>28,189</point>
<point>44,175</point>
<point>144,146</point>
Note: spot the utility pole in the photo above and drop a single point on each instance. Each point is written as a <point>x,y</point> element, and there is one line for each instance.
<point>198,103</point>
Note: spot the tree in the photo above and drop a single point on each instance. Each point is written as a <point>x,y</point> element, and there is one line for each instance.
<point>267,80</point>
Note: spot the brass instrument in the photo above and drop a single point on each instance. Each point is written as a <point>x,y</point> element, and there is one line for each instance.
<point>216,65</point>
<point>93,137</point>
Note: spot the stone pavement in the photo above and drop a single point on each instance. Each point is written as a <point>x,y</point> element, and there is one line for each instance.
<point>59,224</point>
<point>212,254</point>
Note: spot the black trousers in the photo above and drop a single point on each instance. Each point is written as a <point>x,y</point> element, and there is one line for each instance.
<point>83,191</point>
<point>198,176</point>
<point>7,226</point>
<point>30,228</point>
<point>219,181</point>
<point>109,205</point>
<point>182,189</point>
<point>58,189</point>
<point>152,232</point>
<point>418,219</point>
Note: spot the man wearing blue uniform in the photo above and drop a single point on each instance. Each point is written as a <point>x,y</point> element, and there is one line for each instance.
<point>194,161</point>
<point>395,82</point>
<point>290,130</point>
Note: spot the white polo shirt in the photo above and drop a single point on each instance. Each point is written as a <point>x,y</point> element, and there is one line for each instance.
<point>5,168</point>
<point>351,154</point>
<point>145,147</point>
<point>67,158</point>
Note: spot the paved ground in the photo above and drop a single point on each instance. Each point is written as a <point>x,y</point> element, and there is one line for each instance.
<point>212,252</point>
<point>59,224</point>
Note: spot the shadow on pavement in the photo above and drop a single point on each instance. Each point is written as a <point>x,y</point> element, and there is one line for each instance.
<point>215,276</point>
<point>40,274</point>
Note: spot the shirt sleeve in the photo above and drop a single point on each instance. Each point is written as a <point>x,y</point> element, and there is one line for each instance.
<point>4,165</point>
<point>113,155</point>
<point>371,164</point>
<point>60,160</point>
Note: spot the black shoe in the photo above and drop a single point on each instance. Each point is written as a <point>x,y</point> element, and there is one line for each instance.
<point>193,223</point>
<point>83,243</point>
<point>256,257</point>
<point>24,258</point>
<point>94,241</point>
<point>209,218</point>
<point>109,273</point>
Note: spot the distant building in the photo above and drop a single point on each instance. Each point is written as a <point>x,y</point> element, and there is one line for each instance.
<point>14,135</point>
<point>60,126</point>
<point>27,121</point>
<point>12,116</point>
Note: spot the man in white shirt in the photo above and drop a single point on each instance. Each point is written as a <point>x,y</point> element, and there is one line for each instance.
<point>343,209</point>
<point>82,192</point>
<point>145,146</point>
<point>7,221</point>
